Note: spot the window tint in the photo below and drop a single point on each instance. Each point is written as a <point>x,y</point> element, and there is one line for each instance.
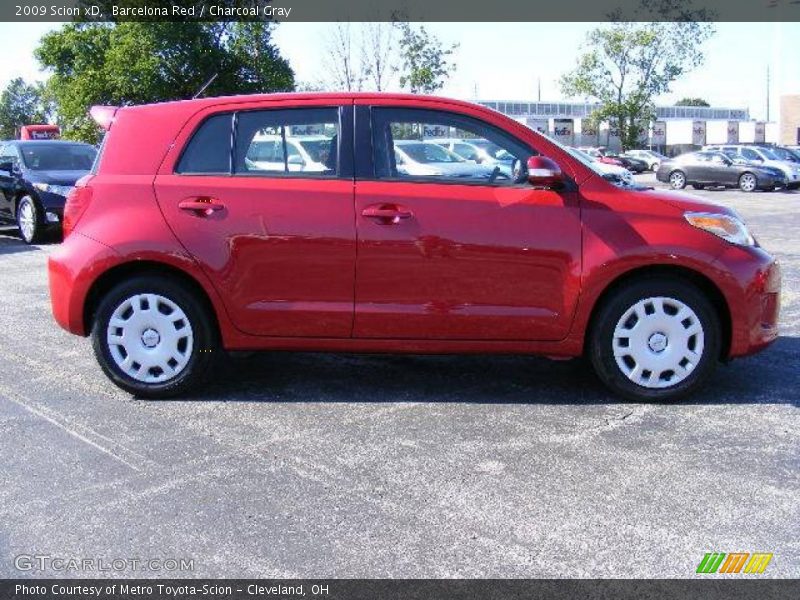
<point>750,154</point>
<point>209,150</point>
<point>407,145</point>
<point>301,141</point>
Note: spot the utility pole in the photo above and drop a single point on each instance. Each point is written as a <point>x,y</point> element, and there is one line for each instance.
<point>768,93</point>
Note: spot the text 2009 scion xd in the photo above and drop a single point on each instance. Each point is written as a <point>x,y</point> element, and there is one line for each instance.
<point>292,222</point>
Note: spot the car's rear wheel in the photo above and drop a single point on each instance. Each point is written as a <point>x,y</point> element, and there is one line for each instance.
<point>153,337</point>
<point>29,220</point>
<point>677,180</point>
<point>655,340</point>
<point>747,182</point>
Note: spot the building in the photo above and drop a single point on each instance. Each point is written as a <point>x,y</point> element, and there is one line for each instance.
<point>790,119</point>
<point>676,128</point>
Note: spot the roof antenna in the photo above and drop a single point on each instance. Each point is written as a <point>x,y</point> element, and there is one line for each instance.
<point>205,86</point>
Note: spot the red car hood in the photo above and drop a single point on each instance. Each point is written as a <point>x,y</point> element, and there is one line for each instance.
<point>688,202</point>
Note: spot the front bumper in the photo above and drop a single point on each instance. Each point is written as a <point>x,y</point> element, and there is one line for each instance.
<point>753,285</point>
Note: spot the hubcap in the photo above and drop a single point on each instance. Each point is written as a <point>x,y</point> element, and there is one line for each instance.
<point>677,180</point>
<point>150,338</point>
<point>658,342</point>
<point>748,182</point>
<point>27,220</point>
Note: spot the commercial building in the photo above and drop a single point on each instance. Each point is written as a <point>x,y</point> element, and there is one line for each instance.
<point>790,119</point>
<point>676,128</point>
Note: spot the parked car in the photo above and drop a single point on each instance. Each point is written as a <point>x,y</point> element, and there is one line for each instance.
<point>599,154</point>
<point>786,154</point>
<point>35,178</point>
<point>761,155</point>
<point>650,157</point>
<point>305,153</point>
<point>175,252</point>
<point>701,169</point>
<point>479,151</point>
<point>634,165</point>
<point>614,173</point>
<point>416,158</point>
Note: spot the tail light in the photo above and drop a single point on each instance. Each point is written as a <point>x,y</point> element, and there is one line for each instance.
<point>77,202</point>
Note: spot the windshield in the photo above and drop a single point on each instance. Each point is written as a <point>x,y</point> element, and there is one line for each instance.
<point>768,153</point>
<point>429,153</point>
<point>57,157</point>
<point>784,154</point>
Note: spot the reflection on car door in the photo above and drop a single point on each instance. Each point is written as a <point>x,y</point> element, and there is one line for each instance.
<point>439,259</point>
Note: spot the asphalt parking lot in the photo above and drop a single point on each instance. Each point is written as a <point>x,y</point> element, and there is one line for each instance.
<point>294,465</point>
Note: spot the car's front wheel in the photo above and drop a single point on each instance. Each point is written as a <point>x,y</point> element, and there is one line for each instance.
<point>153,337</point>
<point>655,340</point>
<point>747,182</point>
<point>29,221</point>
<point>677,180</point>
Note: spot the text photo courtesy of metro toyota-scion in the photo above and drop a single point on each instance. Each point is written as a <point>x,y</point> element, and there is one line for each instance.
<point>400,307</point>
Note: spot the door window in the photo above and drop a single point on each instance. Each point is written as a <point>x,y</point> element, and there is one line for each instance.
<point>300,142</point>
<point>209,151</point>
<point>406,146</point>
<point>750,154</point>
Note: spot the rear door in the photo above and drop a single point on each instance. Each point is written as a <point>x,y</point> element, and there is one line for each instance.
<point>446,256</point>
<point>278,243</point>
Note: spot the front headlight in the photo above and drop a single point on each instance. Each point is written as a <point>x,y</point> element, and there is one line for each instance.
<point>730,229</point>
<point>61,190</point>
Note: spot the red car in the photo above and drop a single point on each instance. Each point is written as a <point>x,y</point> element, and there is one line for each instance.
<point>283,222</point>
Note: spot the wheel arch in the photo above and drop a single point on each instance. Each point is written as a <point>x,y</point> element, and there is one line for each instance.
<point>105,282</point>
<point>689,275</point>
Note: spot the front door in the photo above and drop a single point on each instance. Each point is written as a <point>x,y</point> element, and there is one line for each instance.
<point>455,250</point>
<point>275,234</point>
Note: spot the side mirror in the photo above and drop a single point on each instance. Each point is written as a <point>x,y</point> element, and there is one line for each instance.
<point>7,166</point>
<point>544,172</point>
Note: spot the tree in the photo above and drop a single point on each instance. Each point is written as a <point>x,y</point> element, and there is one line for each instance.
<point>379,54</point>
<point>342,70</point>
<point>425,63</point>
<point>692,102</point>
<point>21,104</point>
<point>139,62</point>
<point>626,65</point>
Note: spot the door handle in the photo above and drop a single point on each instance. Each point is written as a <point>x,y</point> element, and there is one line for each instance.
<point>201,207</point>
<point>388,214</point>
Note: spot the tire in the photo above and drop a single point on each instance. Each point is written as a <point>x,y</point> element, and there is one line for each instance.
<point>173,346</point>
<point>748,182</point>
<point>636,364</point>
<point>677,180</point>
<point>29,221</point>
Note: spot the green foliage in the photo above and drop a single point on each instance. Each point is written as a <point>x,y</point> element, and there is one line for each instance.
<point>140,62</point>
<point>425,63</point>
<point>626,65</point>
<point>21,104</point>
<point>692,102</point>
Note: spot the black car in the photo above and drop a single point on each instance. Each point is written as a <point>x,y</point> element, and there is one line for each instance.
<point>634,165</point>
<point>35,178</point>
<point>701,169</point>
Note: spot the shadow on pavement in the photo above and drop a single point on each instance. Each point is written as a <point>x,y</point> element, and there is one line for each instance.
<point>11,243</point>
<point>771,377</point>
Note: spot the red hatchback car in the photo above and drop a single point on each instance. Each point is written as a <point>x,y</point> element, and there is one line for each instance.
<point>295,222</point>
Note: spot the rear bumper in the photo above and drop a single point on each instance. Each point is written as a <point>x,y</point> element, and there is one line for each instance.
<point>72,269</point>
<point>754,298</point>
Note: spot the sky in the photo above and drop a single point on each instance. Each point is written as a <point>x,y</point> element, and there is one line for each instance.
<point>506,61</point>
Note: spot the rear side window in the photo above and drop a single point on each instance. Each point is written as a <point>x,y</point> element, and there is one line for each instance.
<point>209,151</point>
<point>302,142</point>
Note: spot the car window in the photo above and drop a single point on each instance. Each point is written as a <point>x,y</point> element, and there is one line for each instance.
<point>466,152</point>
<point>43,156</point>
<point>209,150</point>
<point>407,145</point>
<point>750,154</point>
<point>301,141</point>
